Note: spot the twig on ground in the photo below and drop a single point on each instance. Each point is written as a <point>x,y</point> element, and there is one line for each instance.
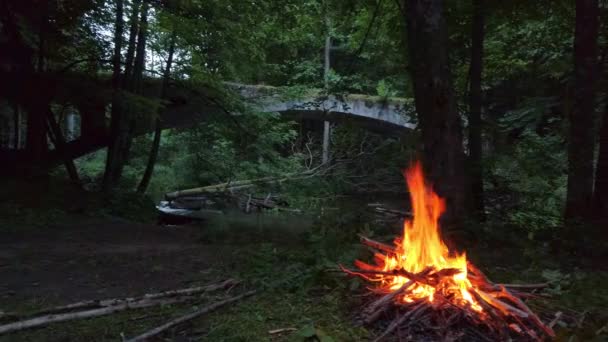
<point>180,320</point>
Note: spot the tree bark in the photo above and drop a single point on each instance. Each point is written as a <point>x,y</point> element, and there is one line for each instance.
<point>17,127</point>
<point>581,144</point>
<point>600,195</point>
<point>443,157</point>
<point>140,57</point>
<point>59,142</point>
<point>326,70</point>
<point>36,140</point>
<point>475,103</point>
<point>145,181</point>
<point>114,162</point>
<point>134,27</point>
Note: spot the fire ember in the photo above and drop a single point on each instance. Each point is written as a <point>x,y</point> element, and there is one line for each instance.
<point>426,286</point>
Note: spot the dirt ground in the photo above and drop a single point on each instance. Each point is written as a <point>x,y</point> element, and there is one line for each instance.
<point>95,260</point>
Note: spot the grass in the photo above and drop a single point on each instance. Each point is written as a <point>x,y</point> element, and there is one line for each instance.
<point>56,202</point>
<point>318,304</point>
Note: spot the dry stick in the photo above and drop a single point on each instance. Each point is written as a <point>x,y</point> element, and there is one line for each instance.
<point>489,308</point>
<point>421,277</point>
<point>558,315</point>
<point>377,245</point>
<point>378,307</point>
<point>44,320</point>
<point>505,308</point>
<point>158,330</point>
<point>91,304</point>
<point>532,315</point>
<point>525,286</point>
<point>282,330</point>
<point>528,331</point>
<point>472,268</point>
<point>398,321</point>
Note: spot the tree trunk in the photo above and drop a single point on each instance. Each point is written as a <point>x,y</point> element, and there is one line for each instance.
<point>143,185</point>
<point>601,173</point>
<point>134,27</point>
<point>326,70</point>
<point>475,103</point>
<point>140,57</point>
<point>59,142</point>
<point>581,144</point>
<point>443,157</point>
<point>145,181</point>
<point>17,127</point>
<point>114,162</point>
<point>36,140</point>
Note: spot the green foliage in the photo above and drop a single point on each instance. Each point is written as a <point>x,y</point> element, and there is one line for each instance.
<point>384,90</point>
<point>529,182</point>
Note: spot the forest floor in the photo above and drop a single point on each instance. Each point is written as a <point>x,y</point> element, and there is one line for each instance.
<point>61,257</point>
<point>97,259</point>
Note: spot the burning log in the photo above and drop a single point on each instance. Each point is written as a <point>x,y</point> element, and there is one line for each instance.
<point>430,289</point>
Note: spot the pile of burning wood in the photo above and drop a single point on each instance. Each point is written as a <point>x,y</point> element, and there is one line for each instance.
<point>429,293</point>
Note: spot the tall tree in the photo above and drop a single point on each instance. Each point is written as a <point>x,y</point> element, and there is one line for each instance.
<point>133,30</point>
<point>600,195</point>
<point>475,104</point>
<point>16,126</point>
<point>145,181</point>
<point>581,143</point>
<point>443,156</point>
<point>113,168</point>
<point>140,57</point>
<point>326,71</point>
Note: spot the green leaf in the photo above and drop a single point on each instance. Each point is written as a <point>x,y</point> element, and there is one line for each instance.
<point>306,332</point>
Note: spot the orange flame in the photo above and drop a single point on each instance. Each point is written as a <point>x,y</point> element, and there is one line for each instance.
<point>421,247</point>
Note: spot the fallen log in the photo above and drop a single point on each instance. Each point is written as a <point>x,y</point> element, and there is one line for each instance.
<point>158,330</point>
<point>216,188</point>
<point>94,308</point>
<point>92,304</point>
<point>53,318</point>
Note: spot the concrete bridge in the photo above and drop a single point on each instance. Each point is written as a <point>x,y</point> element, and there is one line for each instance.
<point>370,111</point>
<point>188,107</point>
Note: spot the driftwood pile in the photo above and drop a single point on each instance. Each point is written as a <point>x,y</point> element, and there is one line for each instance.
<point>504,314</point>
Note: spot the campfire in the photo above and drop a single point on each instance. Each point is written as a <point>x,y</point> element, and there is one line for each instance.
<point>429,290</point>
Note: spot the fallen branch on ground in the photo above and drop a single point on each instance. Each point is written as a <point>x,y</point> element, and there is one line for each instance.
<point>93,304</point>
<point>95,308</point>
<point>282,330</point>
<point>158,330</point>
<point>53,318</point>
